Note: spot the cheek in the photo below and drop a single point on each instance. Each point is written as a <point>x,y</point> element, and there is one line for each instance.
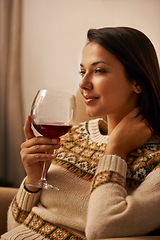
<point>115,93</point>
<point>108,89</point>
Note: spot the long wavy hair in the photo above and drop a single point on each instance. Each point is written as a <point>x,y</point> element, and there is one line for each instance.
<point>138,56</point>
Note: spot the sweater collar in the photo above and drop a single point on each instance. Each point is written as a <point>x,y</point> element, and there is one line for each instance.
<point>96,125</point>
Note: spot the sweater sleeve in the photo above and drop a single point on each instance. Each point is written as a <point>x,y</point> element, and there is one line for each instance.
<point>114,213</point>
<point>21,205</point>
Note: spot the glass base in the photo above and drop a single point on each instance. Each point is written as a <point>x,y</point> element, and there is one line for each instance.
<point>42,184</point>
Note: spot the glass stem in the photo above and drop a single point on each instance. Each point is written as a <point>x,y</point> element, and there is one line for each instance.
<point>43,177</point>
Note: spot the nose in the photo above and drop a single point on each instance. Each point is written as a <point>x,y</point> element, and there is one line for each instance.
<point>86,83</point>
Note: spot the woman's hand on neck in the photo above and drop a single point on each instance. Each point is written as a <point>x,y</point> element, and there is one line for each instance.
<point>127,134</point>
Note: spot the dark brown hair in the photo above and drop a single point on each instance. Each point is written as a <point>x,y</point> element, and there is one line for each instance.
<point>138,56</point>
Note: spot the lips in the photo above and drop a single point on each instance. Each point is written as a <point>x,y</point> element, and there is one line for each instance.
<point>90,98</point>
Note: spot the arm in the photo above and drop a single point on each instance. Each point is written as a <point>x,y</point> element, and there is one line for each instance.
<point>111,211</point>
<point>34,151</point>
<point>21,205</point>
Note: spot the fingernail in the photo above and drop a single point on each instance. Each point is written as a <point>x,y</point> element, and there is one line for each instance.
<point>54,140</point>
<point>54,155</point>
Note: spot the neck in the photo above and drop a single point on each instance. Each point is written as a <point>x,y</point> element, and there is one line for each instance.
<point>114,119</point>
<point>112,123</point>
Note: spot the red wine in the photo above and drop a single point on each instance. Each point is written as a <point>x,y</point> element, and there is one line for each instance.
<point>52,130</point>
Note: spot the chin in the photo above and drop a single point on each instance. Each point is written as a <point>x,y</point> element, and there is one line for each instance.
<point>93,114</point>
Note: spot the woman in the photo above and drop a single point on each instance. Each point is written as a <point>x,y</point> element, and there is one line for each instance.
<point>108,173</point>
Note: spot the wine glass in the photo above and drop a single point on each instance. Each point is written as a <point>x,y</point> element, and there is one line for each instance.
<point>53,114</point>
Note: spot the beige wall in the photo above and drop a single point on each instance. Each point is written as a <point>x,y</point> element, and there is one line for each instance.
<point>54,33</point>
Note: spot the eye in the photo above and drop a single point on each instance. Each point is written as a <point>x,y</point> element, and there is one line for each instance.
<point>82,72</point>
<point>100,70</point>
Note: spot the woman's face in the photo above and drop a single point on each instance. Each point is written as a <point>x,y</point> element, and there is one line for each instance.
<point>104,83</point>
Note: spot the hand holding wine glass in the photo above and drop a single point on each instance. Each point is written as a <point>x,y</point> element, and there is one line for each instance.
<point>34,151</point>
<point>52,114</point>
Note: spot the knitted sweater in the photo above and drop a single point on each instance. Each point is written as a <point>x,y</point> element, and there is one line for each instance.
<point>100,195</point>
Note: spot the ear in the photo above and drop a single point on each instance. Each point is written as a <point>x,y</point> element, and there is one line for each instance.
<point>136,87</point>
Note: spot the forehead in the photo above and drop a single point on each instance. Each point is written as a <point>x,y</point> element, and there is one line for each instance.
<point>94,52</point>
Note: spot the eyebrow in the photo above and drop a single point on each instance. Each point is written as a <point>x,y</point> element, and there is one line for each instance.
<point>95,63</point>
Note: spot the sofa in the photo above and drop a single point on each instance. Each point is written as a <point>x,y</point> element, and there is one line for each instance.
<point>6,196</point>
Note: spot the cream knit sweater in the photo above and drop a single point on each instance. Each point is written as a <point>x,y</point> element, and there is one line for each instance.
<point>100,195</point>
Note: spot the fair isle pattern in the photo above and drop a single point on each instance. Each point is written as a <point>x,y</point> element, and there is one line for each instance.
<point>18,214</point>
<point>108,177</point>
<point>141,162</point>
<point>48,230</point>
<point>78,153</point>
<point>35,223</point>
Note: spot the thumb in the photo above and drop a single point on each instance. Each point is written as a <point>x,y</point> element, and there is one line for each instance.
<point>27,128</point>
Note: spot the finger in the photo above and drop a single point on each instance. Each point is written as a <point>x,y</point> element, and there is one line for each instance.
<point>139,117</point>
<point>41,149</point>
<point>148,126</point>
<point>40,141</point>
<point>40,158</point>
<point>135,112</point>
<point>31,159</point>
<point>132,114</point>
<point>27,128</point>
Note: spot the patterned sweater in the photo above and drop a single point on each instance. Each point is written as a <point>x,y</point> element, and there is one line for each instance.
<point>100,195</point>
